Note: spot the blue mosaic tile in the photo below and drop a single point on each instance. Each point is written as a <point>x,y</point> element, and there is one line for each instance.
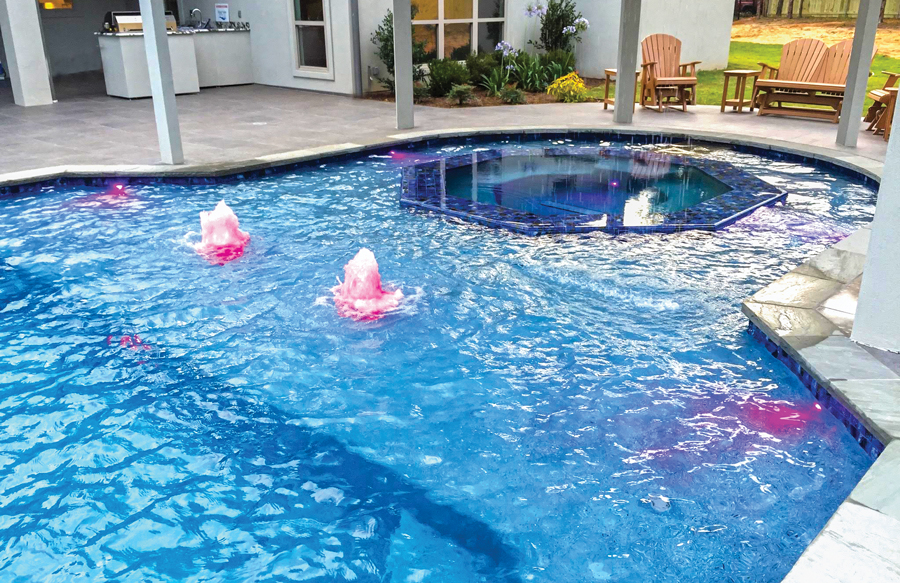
<point>857,429</point>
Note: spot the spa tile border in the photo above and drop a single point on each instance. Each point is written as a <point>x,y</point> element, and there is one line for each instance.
<point>422,187</point>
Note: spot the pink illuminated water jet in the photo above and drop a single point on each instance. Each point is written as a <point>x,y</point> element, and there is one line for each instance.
<point>223,241</point>
<point>360,296</point>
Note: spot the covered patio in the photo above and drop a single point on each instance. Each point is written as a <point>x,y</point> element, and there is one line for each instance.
<point>239,124</point>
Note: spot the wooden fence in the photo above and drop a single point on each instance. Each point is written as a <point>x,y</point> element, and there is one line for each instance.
<point>828,8</point>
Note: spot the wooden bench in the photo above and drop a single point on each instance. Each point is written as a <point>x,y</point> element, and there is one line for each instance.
<point>809,74</point>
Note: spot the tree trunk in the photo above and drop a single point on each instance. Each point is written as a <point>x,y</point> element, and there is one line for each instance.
<point>790,8</point>
<point>760,8</point>
<point>800,15</point>
<point>881,14</point>
<point>780,8</point>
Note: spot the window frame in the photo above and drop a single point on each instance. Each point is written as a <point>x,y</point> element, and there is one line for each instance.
<point>324,73</point>
<point>472,22</point>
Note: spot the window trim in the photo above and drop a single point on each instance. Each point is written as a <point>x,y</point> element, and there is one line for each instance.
<point>324,73</point>
<point>472,22</point>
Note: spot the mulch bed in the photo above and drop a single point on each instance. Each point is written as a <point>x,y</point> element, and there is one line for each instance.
<point>483,99</point>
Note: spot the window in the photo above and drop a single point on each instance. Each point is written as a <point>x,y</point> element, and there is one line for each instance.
<point>456,28</point>
<point>312,38</point>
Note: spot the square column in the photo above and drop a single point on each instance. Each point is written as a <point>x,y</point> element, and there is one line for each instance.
<point>858,74</point>
<point>20,25</point>
<point>162,83</point>
<point>877,321</point>
<point>629,33</point>
<point>403,64</point>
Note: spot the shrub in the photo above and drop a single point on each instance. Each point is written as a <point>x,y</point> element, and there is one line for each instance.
<point>461,94</point>
<point>568,89</point>
<point>512,96</point>
<point>444,74</point>
<point>420,92</point>
<point>383,39</point>
<point>481,65</point>
<point>561,25</point>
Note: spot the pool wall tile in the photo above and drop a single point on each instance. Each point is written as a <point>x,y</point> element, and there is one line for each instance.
<point>865,438</point>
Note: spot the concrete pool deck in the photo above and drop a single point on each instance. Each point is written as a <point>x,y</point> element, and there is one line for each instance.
<point>808,312</point>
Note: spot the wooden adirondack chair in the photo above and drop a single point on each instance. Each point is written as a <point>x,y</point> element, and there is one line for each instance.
<point>663,75</point>
<point>809,74</point>
<point>881,98</point>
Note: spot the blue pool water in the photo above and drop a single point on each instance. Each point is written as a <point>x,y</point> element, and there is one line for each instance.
<point>553,409</point>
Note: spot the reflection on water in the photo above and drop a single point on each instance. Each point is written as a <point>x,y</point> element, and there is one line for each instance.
<point>641,188</point>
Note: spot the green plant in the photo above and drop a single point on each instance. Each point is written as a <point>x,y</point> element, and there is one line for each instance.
<point>561,25</point>
<point>495,82</point>
<point>383,39</point>
<point>481,64</point>
<point>530,73</point>
<point>420,92</point>
<point>561,58</point>
<point>512,96</point>
<point>443,74</point>
<point>461,94</point>
<point>568,89</point>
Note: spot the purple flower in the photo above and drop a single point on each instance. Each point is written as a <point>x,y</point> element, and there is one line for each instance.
<point>506,48</point>
<point>582,23</point>
<point>569,30</point>
<point>533,10</point>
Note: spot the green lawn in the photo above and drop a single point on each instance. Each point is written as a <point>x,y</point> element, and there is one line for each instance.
<point>747,56</point>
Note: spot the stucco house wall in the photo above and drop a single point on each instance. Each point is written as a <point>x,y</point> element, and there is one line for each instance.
<point>704,26</point>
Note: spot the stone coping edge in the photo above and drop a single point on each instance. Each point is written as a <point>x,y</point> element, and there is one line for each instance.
<point>28,180</point>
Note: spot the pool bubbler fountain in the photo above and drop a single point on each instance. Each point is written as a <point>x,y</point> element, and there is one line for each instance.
<point>360,296</point>
<point>223,241</point>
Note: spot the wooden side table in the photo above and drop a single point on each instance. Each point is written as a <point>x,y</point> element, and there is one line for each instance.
<point>607,100</point>
<point>738,102</point>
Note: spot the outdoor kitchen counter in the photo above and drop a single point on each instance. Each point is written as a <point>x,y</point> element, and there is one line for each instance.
<point>125,63</point>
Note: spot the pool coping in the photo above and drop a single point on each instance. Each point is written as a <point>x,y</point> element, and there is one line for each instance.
<point>857,543</point>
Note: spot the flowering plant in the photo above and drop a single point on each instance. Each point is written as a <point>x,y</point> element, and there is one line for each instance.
<point>533,10</point>
<point>561,25</point>
<point>568,89</point>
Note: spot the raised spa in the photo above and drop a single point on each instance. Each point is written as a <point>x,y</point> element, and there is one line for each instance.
<point>579,189</point>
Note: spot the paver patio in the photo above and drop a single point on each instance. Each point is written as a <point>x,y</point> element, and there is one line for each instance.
<point>239,123</point>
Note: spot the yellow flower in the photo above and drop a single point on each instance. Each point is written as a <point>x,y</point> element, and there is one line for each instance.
<point>568,89</point>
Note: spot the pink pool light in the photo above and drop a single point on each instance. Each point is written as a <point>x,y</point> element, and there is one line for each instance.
<point>223,241</point>
<point>360,296</point>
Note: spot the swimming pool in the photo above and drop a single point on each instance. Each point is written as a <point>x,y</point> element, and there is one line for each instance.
<point>558,408</point>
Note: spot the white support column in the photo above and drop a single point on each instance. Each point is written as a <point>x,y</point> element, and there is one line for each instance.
<point>858,75</point>
<point>626,63</point>
<point>162,84</point>
<point>403,65</point>
<point>29,73</point>
<point>877,321</point>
